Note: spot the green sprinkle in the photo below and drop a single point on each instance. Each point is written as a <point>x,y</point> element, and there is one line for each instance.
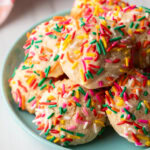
<point>131,24</point>
<point>78,104</point>
<point>32,42</point>
<point>144,130</point>
<point>36,73</point>
<point>50,116</point>
<point>32,66</point>
<point>101,131</point>
<point>62,136</point>
<point>111,94</point>
<point>100,71</point>
<point>137,25</point>
<point>92,42</point>
<point>145,93</point>
<point>136,127</point>
<point>102,47</point>
<point>66,36</point>
<point>147,11</point>
<point>139,106</point>
<point>47,132</point>
<point>141,18</point>
<point>81,90</point>
<point>90,74</point>
<point>31,99</point>
<point>25,67</point>
<point>88,103</point>
<point>70,132</point>
<point>111,109</point>
<point>14,72</point>
<point>25,58</point>
<point>115,39</point>
<point>52,36</point>
<point>40,41</point>
<point>73,93</point>
<point>61,110</point>
<point>94,33</point>
<point>133,117</point>
<point>121,95</point>
<point>36,46</point>
<point>40,35</point>
<point>56,57</point>
<point>64,110</point>
<point>146,111</point>
<point>82,24</point>
<point>80,134</point>
<point>98,48</point>
<point>53,85</point>
<point>66,143</point>
<point>53,138</point>
<point>47,71</point>
<point>145,8</point>
<point>52,106</point>
<point>100,17</point>
<point>43,87</point>
<point>28,47</point>
<point>126,111</point>
<point>41,82</point>
<point>122,116</point>
<point>121,32</point>
<point>87,76</point>
<point>119,27</point>
<point>91,108</point>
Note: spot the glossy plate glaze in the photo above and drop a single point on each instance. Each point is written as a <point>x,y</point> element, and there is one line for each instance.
<point>108,141</point>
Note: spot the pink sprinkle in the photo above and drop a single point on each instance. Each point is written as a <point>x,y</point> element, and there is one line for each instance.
<point>71,128</point>
<point>117,86</point>
<point>64,105</point>
<point>148,32</point>
<point>32,53</point>
<point>43,115</point>
<point>89,17</point>
<point>143,121</point>
<point>26,51</point>
<point>130,7</point>
<point>34,38</point>
<point>76,99</point>
<point>108,60</point>
<point>98,98</point>
<point>20,102</point>
<point>100,83</point>
<point>33,103</point>
<point>128,116</point>
<point>88,58</point>
<point>84,65</point>
<point>125,96</point>
<point>138,143</point>
<point>86,96</point>
<point>48,33</point>
<point>92,92</point>
<point>63,89</point>
<point>66,22</point>
<point>85,111</point>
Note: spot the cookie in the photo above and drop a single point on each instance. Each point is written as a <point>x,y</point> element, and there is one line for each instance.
<point>128,107</point>
<point>70,114</point>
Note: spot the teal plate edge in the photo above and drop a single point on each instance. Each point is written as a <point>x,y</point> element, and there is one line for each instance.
<point>10,104</point>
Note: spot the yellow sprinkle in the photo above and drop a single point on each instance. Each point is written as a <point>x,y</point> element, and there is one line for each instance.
<point>49,137</point>
<point>62,121</point>
<point>147,105</point>
<point>127,61</point>
<point>86,45</point>
<point>91,54</point>
<point>103,22</point>
<point>73,137</point>
<point>123,70</point>
<point>108,112</point>
<point>130,31</point>
<point>13,82</point>
<point>92,103</point>
<point>148,50</point>
<point>100,122</point>
<point>87,61</point>
<point>96,12</point>
<point>147,143</point>
<point>77,52</point>
<point>82,75</point>
<point>120,103</point>
<point>139,30</point>
<point>77,94</point>
<point>56,140</point>
<point>51,97</point>
<point>31,78</point>
<point>80,37</point>
<point>143,137</point>
<point>97,26</point>
<point>74,65</point>
<point>104,42</point>
<point>122,119</point>
<point>148,82</point>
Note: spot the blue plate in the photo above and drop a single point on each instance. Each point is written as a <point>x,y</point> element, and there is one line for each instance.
<point>108,141</point>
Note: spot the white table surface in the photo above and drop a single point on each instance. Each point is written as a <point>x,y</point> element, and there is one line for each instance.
<point>24,15</point>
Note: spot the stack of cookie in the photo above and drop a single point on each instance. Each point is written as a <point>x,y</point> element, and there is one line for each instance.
<point>82,68</point>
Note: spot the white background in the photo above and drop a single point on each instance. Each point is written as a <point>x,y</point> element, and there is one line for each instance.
<point>24,15</point>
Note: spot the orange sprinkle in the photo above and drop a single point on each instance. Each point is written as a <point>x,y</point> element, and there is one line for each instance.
<point>68,57</point>
<point>112,101</point>
<point>28,35</point>
<point>109,78</point>
<point>55,18</point>
<point>115,109</point>
<point>54,67</point>
<point>23,103</point>
<point>72,102</point>
<point>146,43</point>
<point>125,81</point>
<point>49,50</point>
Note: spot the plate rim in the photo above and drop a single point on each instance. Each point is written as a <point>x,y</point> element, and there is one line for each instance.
<point>12,112</point>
